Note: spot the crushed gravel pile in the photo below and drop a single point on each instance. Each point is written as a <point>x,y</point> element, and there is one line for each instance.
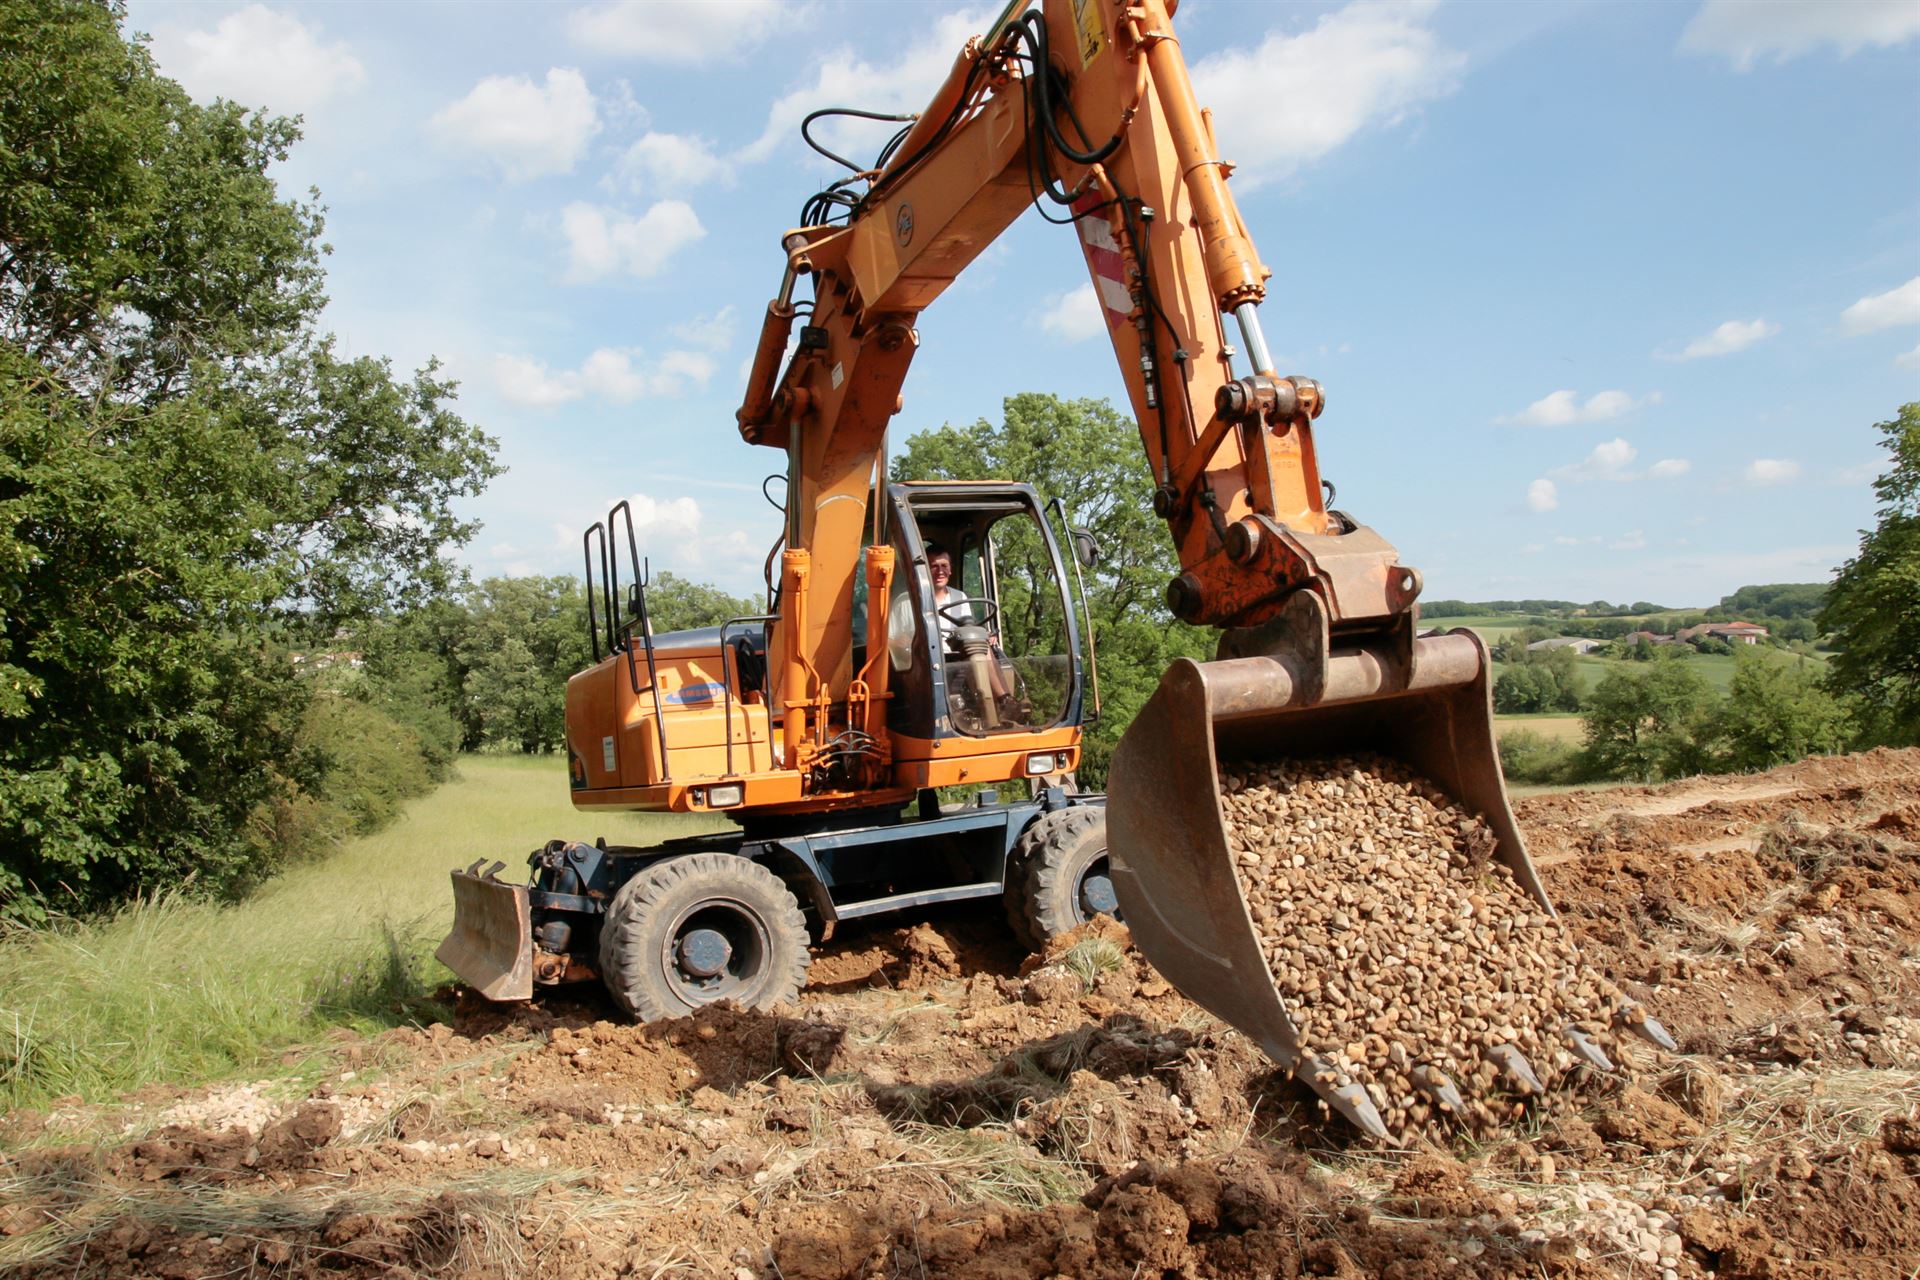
<point>1407,956</point>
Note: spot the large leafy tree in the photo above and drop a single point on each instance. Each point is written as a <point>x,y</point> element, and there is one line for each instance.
<point>1087,454</point>
<point>1873,607</point>
<point>1776,711</point>
<point>1652,725</point>
<point>522,639</point>
<point>190,474</point>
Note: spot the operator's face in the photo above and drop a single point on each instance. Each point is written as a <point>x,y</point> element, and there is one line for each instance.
<point>940,566</point>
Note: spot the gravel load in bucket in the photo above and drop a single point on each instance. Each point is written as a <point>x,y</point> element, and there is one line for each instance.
<point>1408,957</point>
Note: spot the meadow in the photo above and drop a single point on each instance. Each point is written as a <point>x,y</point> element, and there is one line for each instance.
<point>175,990</point>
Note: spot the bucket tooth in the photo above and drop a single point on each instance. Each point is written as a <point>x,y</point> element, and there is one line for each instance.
<point>474,870</point>
<point>1586,1049</point>
<point>1349,1099</point>
<point>1514,1065</point>
<point>1646,1026</point>
<point>493,872</point>
<point>1442,1090</point>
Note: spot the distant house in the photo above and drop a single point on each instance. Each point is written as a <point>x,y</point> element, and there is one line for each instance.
<point>1579,644</point>
<point>1731,632</point>
<point>322,660</point>
<point>1633,638</point>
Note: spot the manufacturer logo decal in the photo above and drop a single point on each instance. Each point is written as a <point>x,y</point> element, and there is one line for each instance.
<point>903,225</point>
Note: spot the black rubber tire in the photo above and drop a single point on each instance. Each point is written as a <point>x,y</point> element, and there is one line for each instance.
<point>1054,855</point>
<point>721,892</point>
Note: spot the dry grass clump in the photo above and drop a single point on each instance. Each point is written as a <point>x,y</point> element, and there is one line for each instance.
<point>1405,954</point>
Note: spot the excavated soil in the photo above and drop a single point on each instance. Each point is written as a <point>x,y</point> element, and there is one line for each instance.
<point>938,1104</point>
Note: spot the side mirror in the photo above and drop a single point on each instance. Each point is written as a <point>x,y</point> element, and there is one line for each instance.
<point>1086,548</point>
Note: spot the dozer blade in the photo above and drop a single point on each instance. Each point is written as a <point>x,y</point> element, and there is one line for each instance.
<point>491,944</point>
<point>1423,701</point>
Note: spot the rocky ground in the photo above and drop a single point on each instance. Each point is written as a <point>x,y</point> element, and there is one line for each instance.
<point>940,1105</point>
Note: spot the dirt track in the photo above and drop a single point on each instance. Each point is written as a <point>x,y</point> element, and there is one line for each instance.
<point>931,1109</point>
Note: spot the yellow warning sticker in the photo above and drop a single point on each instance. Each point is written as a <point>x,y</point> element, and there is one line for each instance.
<point>1092,29</point>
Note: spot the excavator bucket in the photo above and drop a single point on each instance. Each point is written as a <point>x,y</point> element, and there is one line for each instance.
<point>490,946</point>
<point>1422,701</point>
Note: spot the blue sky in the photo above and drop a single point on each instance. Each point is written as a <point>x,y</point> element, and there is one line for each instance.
<point>1606,297</point>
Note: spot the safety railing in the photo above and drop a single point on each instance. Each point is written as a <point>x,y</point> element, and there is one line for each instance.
<point>637,617</point>
<point>595,637</point>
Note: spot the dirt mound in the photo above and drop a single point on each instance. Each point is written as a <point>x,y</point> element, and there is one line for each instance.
<point>937,1104</point>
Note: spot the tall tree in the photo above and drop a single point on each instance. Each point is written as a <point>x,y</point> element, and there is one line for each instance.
<point>1776,712</point>
<point>189,473</point>
<point>1873,607</point>
<point>1649,726</point>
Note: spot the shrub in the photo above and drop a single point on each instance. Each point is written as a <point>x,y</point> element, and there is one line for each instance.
<point>370,765</point>
<point>1526,756</point>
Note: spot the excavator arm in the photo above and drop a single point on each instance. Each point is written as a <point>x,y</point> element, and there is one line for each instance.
<point>1229,441</point>
<point>1084,108</point>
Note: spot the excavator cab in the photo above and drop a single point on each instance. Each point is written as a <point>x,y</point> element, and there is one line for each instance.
<point>982,636</point>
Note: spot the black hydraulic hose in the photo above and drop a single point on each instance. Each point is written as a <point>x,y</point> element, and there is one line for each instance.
<point>1040,84</point>
<point>806,126</point>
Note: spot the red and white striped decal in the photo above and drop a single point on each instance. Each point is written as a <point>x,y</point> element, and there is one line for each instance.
<point>1104,260</point>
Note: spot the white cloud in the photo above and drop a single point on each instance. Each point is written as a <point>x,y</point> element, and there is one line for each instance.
<point>262,58</point>
<point>1366,64</point>
<point>1745,31</point>
<point>1634,541</point>
<point>714,332</point>
<point>1543,495</point>
<point>527,382</point>
<point>602,242</point>
<point>1564,408</point>
<point>654,519</point>
<point>1612,460</point>
<point>671,163</point>
<point>1764,472</point>
<point>686,31</point>
<point>527,130</point>
<point>1909,360</point>
<point>1734,335</point>
<point>1074,316</point>
<point>610,374</point>
<point>1884,310</point>
<point>901,82</point>
<point>1608,461</point>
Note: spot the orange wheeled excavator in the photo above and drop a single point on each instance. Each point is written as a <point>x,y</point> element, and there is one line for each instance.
<point>826,727</point>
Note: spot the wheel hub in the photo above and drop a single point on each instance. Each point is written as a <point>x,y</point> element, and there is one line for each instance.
<point>704,953</point>
<point>1096,892</point>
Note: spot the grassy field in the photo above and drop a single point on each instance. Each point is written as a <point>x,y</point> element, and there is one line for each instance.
<point>1716,669</point>
<point>1556,728</point>
<point>174,990</point>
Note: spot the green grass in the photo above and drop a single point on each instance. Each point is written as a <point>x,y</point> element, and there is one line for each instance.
<point>181,991</point>
<point>1716,668</point>
<point>1558,728</point>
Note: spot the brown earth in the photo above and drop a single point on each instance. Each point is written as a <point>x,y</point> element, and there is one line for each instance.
<point>939,1105</point>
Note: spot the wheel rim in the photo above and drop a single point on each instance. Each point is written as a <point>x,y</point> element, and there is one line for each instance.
<point>1095,894</point>
<point>717,949</point>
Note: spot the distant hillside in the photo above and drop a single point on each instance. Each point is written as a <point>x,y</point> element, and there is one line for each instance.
<point>1768,600</point>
